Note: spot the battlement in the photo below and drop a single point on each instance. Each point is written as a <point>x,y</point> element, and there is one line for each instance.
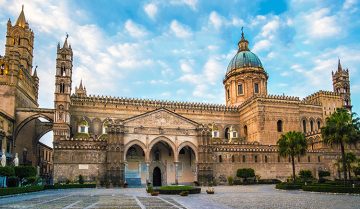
<point>153,103</point>
<point>316,95</point>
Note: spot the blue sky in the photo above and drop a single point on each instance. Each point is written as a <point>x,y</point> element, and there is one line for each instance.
<point>180,49</point>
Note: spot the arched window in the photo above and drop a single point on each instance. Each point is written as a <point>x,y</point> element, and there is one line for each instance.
<point>105,127</point>
<point>245,131</point>
<point>319,124</point>
<point>220,159</point>
<point>62,88</point>
<point>233,158</point>
<point>240,89</point>
<point>255,158</point>
<point>243,158</point>
<point>157,155</point>
<point>228,93</point>
<point>256,88</point>
<point>311,125</point>
<point>279,126</point>
<point>226,133</point>
<point>278,159</point>
<point>2,69</point>
<point>83,126</point>
<point>304,126</point>
<point>266,158</point>
<point>309,159</point>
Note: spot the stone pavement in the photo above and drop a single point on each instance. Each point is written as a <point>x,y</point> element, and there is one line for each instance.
<point>225,197</point>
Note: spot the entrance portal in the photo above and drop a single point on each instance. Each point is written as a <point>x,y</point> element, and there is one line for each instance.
<point>157,177</point>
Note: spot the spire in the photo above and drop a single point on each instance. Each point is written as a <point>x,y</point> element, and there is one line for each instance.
<point>243,43</point>
<point>81,86</point>
<point>35,72</point>
<point>21,21</point>
<point>339,66</point>
<point>66,43</point>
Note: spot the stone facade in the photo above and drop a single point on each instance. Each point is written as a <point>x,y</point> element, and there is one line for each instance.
<point>116,140</point>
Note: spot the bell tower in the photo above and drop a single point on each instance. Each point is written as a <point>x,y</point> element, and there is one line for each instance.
<point>341,85</point>
<point>63,82</point>
<point>19,84</point>
<point>20,42</point>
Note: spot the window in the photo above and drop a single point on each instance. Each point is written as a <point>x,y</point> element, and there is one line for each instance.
<point>82,129</point>
<point>234,134</point>
<point>2,69</point>
<point>278,159</point>
<point>299,159</point>
<point>266,159</point>
<point>255,158</point>
<point>256,88</point>
<point>279,126</point>
<point>243,158</point>
<point>240,89</point>
<point>309,159</point>
<point>62,87</point>
<point>226,134</point>
<point>245,131</point>
<point>228,93</point>
<point>215,134</point>
<point>319,124</point>
<point>105,127</point>
<point>304,126</point>
<point>83,126</point>
<point>311,125</point>
<point>220,159</point>
<point>232,158</point>
<point>157,155</point>
<point>319,159</point>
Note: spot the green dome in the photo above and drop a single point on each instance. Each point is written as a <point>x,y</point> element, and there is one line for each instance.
<point>244,59</point>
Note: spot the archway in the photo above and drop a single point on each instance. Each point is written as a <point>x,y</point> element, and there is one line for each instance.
<point>27,136</point>
<point>187,165</point>
<point>135,167</point>
<point>157,177</point>
<point>162,155</point>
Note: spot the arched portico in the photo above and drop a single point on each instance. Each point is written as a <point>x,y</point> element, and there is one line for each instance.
<point>187,167</point>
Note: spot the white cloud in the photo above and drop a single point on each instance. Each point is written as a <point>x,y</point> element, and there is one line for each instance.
<point>261,45</point>
<point>321,24</point>
<point>215,19</point>
<point>348,4</point>
<point>151,10</point>
<point>134,29</point>
<point>212,71</point>
<point>180,30</point>
<point>190,3</point>
<point>269,28</point>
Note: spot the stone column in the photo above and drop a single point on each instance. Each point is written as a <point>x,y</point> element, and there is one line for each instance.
<point>176,172</point>
<point>147,172</point>
<point>196,172</point>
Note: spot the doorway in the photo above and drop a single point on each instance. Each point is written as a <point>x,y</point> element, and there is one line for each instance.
<point>157,177</point>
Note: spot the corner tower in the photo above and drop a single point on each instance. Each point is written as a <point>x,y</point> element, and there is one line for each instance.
<point>245,75</point>
<point>63,82</point>
<point>341,85</point>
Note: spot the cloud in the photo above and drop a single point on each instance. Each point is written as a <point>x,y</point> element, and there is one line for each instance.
<point>180,30</point>
<point>215,19</point>
<point>190,3</point>
<point>348,4</point>
<point>261,45</point>
<point>321,24</point>
<point>134,29</point>
<point>151,10</point>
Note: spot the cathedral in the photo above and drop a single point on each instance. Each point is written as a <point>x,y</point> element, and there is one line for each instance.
<point>135,141</point>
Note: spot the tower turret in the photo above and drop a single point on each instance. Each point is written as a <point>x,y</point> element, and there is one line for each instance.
<point>63,80</point>
<point>341,84</point>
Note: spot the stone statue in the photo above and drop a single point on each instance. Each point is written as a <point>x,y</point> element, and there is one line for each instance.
<point>16,160</point>
<point>3,158</point>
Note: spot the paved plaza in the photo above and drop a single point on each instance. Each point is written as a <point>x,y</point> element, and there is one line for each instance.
<point>258,196</point>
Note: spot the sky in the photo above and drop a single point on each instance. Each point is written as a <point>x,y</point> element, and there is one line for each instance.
<point>179,49</point>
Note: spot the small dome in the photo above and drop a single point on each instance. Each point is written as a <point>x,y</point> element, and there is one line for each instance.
<point>244,59</point>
